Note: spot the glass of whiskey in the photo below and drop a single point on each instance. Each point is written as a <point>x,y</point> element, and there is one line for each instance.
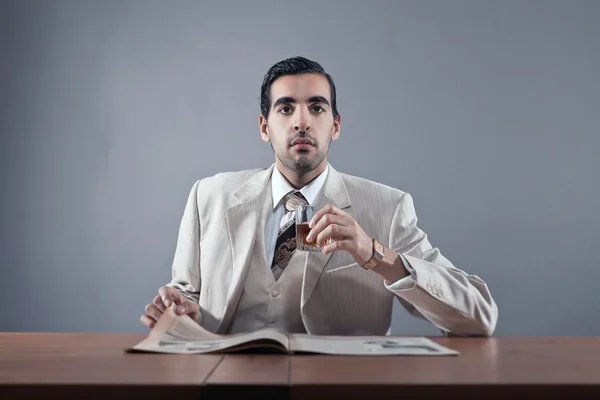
<point>304,214</point>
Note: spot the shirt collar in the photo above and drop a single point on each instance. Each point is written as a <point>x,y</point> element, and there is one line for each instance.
<point>280,186</point>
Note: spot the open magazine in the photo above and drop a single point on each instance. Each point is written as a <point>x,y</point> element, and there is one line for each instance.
<point>179,334</point>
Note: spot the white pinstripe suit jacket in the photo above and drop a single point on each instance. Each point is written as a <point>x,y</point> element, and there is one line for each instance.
<point>217,235</point>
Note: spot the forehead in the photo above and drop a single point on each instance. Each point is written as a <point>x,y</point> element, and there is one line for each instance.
<point>300,87</point>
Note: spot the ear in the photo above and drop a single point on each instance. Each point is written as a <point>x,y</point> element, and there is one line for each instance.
<point>264,128</point>
<point>337,124</point>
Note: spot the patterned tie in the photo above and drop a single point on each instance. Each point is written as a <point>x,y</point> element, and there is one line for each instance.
<point>286,239</point>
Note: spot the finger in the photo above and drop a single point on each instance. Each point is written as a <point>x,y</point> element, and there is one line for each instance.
<point>149,322</point>
<point>169,295</point>
<point>322,223</point>
<point>193,310</point>
<point>158,303</point>
<point>152,311</point>
<point>165,295</point>
<point>336,245</point>
<point>328,209</point>
<point>333,231</point>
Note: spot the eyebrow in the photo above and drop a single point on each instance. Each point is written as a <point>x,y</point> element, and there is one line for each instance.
<point>313,99</point>
<point>318,99</point>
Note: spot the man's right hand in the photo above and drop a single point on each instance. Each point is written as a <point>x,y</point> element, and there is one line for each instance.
<point>165,297</point>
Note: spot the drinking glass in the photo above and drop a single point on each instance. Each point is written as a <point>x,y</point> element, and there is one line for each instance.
<point>304,214</point>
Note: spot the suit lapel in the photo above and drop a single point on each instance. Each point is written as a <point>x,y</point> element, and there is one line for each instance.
<point>243,222</point>
<point>334,191</point>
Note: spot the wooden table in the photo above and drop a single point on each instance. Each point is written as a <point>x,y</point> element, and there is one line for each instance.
<point>62,365</point>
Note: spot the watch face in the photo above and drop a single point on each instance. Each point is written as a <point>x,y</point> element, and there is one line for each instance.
<point>377,256</point>
<point>379,248</point>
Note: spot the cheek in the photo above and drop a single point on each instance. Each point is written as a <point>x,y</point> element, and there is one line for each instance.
<point>278,142</point>
<point>276,128</point>
<point>325,129</point>
<point>324,123</point>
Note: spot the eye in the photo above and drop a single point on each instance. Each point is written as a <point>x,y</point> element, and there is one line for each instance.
<point>285,110</point>
<point>318,109</point>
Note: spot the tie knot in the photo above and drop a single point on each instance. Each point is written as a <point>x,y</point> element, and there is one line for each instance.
<point>293,199</point>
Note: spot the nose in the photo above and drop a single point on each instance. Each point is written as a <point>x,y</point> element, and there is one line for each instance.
<point>300,126</point>
<point>302,123</point>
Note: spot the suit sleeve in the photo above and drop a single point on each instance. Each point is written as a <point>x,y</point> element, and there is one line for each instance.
<point>185,269</point>
<point>454,301</point>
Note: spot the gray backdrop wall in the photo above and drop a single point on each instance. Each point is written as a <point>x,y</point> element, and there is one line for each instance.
<point>487,112</point>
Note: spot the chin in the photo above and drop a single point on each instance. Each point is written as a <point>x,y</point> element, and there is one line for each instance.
<point>305,165</point>
<point>301,163</point>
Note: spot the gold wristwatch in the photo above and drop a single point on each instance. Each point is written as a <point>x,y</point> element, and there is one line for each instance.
<point>377,256</point>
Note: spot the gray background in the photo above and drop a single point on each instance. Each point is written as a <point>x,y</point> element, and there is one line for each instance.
<point>487,112</point>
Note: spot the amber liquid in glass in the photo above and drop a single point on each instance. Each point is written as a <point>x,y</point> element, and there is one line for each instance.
<point>302,231</point>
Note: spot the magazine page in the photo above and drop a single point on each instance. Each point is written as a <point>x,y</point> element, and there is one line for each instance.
<point>179,334</point>
<point>367,345</point>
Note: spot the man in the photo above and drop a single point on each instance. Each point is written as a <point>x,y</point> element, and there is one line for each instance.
<point>236,268</point>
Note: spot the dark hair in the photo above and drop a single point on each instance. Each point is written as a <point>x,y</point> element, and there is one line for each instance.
<point>293,66</point>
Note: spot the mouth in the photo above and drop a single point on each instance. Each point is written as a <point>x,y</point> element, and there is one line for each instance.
<point>302,142</point>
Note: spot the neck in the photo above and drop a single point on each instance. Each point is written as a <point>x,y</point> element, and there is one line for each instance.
<point>299,180</point>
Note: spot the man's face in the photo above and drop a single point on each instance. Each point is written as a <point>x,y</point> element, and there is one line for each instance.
<point>300,124</point>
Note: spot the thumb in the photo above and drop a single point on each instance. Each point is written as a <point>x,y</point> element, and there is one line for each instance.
<point>188,307</point>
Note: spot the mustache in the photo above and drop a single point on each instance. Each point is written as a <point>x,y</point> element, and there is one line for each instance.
<point>304,136</point>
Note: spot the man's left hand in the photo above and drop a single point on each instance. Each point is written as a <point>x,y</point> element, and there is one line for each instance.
<point>332,223</point>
